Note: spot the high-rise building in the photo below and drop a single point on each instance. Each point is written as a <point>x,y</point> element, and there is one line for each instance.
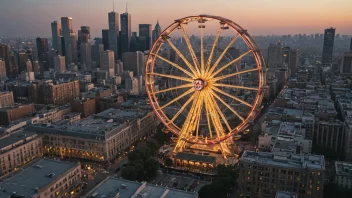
<point>145,30</point>
<point>156,32</point>
<point>2,70</point>
<point>96,50</point>
<point>59,62</point>
<point>84,35</point>
<point>56,36</point>
<point>6,99</point>
<point>132,85</point>
<point>134,61</point>
<point>346,63</point>
<point>125,32</point>
<point>275,56</point>
<point>5,56</point>
<point>58,94</point>
<point>29,66</point>
<point>328,47</point>
<point>105,38</point>
<point>293,65</point>
<point>351,45</point>
<point>261,174</point>
<point>107,62</point>
<point>22,59</point>
<point>133,43</point>
<point>70,40</point>
<point>113,33</point>
<point>43,54</point>
<point>86,56</point>
<point>140,44</point>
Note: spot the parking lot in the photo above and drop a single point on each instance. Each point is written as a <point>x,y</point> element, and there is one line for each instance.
<point>179,182</point>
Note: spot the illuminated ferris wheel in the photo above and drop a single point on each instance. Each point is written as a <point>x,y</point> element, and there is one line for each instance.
<point>197,86</point>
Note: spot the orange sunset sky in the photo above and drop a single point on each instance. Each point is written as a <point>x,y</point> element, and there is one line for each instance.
<point>33,17</point>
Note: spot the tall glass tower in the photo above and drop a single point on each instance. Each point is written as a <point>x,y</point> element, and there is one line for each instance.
<point>328,47</point>
<point>125,31</point>
<point>113,33</point>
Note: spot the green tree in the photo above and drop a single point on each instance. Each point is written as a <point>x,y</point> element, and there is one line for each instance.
<point>129,173</point>
<point>151,166</point>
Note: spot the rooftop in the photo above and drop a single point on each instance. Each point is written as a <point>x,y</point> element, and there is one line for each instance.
<point>98,126</point>
<point>343,168</point>
<point>282,194</point>
<point>14,138</point>
<point>195,157</point>
<point>315,162</point>
<point>25,182</point>
<point>130,189</point>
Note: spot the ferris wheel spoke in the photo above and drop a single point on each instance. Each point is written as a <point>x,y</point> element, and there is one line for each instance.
<point>189,65</point>
<point>173,88</point>
<point>202,49</point>
<point>175,65</point>
<point>214,117</point>
<point>233,97</point>
<point>171,76</point>
<point>178,98</point>
<point>228,106</point>
<point>213,49</point>
<point>222,54</point>
<point>182,108</point>
<point>190,48</point>
<point>230,63</point>
<point>221,114</point>
<point>235,86</point>
<point>233,74</point>
<point>208,119</point>
<point>199,112</point>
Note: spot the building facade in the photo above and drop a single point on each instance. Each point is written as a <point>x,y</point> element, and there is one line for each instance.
<point>17,149</point>
<point>113,33</point>
<point>343,174</point>
<point>6,99</point>
<point>262,174</point>
<point>328,46</point>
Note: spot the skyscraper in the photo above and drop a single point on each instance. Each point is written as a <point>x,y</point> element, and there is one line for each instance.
<point>56,34</point>
<point>43,54</point>
<point>107,62</point>
<point>69,40</point>
<point>328,47</point>
<point>275,55</point>
<point>2,70</point>
<point>145,30</point>
<point>22,59</point>
<point>156,31</point>
<point>134,61</point>
<point>84,35</point>
<point>113,33</point>
<point>133,43</point>
<point>105,38</point>
<point>96,50</point>
<point>59,62</point>
<point>125,31</point>
<point>86,56</point>
<point>5,56</point>
<point>346,63</point>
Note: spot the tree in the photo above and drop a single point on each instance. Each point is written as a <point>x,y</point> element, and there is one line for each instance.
<point>129,173</point>
<point>151,166</point>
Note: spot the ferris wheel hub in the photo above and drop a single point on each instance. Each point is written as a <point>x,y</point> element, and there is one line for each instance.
<point>199,84</point>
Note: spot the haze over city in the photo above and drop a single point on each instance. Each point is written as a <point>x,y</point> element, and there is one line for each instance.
<point>260,17</point>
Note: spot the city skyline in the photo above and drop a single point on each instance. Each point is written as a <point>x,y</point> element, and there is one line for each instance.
<point>249,14</point>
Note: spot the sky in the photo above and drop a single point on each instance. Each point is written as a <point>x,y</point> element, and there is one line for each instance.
<point>259,17</point>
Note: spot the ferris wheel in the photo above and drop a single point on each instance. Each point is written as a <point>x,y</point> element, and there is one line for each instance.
<point>197,86</point>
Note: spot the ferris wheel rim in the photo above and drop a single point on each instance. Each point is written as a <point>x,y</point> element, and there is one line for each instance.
<point>254,49</point>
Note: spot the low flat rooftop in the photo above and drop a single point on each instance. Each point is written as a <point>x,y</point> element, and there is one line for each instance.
<point>110,187</point>
<point>94,127</point>
<point>282,194</point>
<point>25,182</point>
<point>315,162</point>
<point>195,157</point>
<point>343,168</point>
<point>15,137</point>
